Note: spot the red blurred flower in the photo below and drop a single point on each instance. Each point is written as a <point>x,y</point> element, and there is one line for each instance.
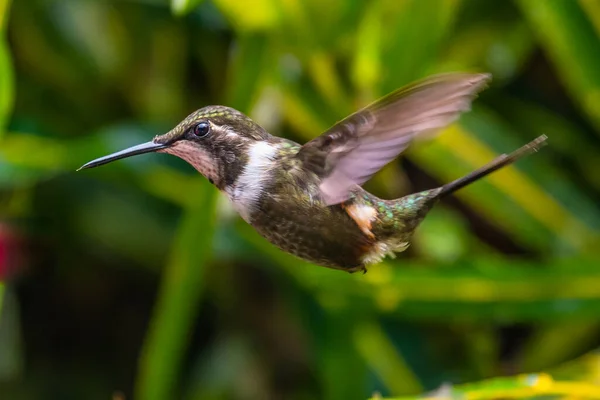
<point>11,254</point>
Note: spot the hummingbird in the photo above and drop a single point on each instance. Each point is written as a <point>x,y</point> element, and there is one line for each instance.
<point>308,199</point>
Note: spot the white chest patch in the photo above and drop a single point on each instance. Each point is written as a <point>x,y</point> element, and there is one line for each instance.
<point>246,190</point>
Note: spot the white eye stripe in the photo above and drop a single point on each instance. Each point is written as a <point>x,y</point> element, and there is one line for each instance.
<point>229,131</point>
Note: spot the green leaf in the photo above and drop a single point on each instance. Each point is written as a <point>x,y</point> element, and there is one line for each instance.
<point>366,68</point>
<point>565,339</point>
<point>4,12</point>
<point>182,7</point>
<point>501,48</point>
<point>381,355</point>
<point>259,15</point>
<point>248,65</point>
<point>180,292</point>
<point>573,45</point>
<point>6,71</point>
<point>592,8</point>
<point>343,371</point>
<point>532,386</point>
<point>415,38</point>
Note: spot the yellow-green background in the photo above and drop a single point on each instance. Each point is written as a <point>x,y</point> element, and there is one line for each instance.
<point>137,277</point>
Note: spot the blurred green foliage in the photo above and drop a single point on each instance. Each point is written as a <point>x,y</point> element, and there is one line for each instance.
<point>138,277</point>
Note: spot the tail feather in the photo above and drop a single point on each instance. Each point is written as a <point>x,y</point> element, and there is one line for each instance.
<point>496,164</point>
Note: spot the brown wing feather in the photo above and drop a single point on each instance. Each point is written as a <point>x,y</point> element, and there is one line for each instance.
<point>354,149</point>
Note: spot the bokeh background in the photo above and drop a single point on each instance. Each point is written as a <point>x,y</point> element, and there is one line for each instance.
<point>136,280</point>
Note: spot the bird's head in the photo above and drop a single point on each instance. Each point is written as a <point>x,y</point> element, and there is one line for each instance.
<point>215,140</point>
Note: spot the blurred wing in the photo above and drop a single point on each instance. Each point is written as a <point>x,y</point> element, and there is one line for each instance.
<point>354,149</point>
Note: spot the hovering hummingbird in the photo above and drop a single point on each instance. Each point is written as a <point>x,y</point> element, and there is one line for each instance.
<point>307,199</point>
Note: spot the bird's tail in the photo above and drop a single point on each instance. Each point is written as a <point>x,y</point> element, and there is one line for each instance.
<point>496,164</point>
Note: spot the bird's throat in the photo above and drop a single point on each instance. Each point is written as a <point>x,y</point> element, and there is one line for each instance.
<point>197,157</point>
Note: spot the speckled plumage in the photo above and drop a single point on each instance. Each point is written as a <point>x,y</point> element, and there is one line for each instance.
<point>292,215</point>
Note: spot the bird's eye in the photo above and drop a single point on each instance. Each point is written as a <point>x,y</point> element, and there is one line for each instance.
<point>202,129</point>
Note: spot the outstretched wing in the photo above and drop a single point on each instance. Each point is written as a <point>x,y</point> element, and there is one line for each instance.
<point>354,149</point>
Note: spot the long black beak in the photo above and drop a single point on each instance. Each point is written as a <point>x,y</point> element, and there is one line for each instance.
<point>148,147</point>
